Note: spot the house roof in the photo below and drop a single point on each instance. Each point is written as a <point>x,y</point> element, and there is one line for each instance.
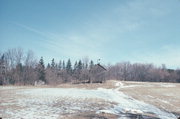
<point>101,67</point>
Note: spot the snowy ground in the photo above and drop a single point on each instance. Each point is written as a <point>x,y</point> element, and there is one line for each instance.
<point>56,103</point>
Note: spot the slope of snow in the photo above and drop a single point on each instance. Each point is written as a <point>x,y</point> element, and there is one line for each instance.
<point>127,104</point>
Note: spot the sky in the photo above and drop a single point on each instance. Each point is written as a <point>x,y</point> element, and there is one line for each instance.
<point>142,31</point>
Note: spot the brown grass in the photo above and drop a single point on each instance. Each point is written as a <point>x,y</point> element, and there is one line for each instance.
<point>166,98</point>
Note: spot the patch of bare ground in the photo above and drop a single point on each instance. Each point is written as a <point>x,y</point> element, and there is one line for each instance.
<point>94,115</point>
<point>166,96</point>
<point>89,115</point>
<point>108,84</point>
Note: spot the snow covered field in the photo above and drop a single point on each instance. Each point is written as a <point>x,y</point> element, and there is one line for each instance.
<point>57,103</point>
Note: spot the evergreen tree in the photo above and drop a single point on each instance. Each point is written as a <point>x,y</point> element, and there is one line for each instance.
<point>56,66</point>
<point>91,64</point>
<point>41,70</point>
<point>86,65</point>
<point>19,73</point>
<point>48,65</point>
<point>83,66</point>
<point>75,66</point>
<point>69,66</point>
<point>2,64</point>
<point>2,70</point>
<point>60,65</point>
<point>80,65</point>
<point>63,65</point>
<point>53,64</point>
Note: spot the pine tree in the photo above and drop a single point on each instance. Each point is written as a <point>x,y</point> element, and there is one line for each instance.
<point>75,66</point>
<point>86,65</point>
<point>83,66</point>
<point>53,64</point>
<point>69,66</point>
<point>48,65</point>
<point>2,70</point>
<point>56,66</point>
<point>80,65</point>
<point>60,65</point>
<point>63,65</point>
<point>91,64</point>
<point>41,70</point>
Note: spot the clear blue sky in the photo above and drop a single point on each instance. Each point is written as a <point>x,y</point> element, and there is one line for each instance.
<point>146,31</point>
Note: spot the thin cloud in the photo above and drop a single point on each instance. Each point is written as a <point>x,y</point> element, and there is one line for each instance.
<point>67,45</point>
<point>31,29</point>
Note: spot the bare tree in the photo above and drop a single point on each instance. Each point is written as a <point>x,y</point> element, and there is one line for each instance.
<point>30,75</point>
<point>19,55</point>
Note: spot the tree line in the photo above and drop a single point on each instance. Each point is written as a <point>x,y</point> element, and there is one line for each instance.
<point>142,72</point>
<point>19,68</point>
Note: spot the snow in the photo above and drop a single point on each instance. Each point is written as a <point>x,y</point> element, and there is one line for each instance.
<point>7,87</point>
<point>53,102</point>
<point>121,85</point>
<point>168,85</point>
<point>128,104</point>
<point>133,111</point>
<point>106,111</point>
